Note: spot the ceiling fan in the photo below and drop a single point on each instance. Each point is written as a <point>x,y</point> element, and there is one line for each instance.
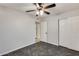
<point>40,8</point>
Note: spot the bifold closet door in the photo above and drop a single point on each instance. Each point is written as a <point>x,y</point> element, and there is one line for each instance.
<point>69,32</point>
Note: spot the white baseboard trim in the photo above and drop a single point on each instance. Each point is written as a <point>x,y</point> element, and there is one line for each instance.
<point>69,48</point>
<point>15,49</point>
<point>50,43</point>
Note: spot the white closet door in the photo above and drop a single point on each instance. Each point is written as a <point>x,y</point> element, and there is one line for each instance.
<point>69,32</point>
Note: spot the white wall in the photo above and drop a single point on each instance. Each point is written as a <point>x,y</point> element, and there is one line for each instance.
<point>52,30</point>
<point>17,30</point>
<point>69,32</point>
<point>69,14</point>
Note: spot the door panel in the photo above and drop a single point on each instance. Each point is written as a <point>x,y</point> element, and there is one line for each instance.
<point>69,33</point>
<point>44,31</point>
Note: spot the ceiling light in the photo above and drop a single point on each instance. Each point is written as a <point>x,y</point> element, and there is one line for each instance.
<point>41,12</point>
<point>37,12</point>
<point>37,5</point>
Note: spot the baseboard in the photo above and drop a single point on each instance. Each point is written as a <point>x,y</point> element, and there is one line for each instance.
<point>61,46</point>
<point>68,48</point>
<point>15,49</point>
<point>31,44</point>
<point>50,43</point>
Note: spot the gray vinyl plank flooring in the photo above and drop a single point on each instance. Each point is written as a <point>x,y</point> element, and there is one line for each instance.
<point>43,49</point>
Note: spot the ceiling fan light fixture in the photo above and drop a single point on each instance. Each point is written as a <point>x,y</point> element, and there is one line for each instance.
<point>41,9</point>
<point>41,12</point>
<point>37,5</point>
<point>37,13</point>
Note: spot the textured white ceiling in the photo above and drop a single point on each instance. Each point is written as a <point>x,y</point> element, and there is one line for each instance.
<point>59,9</point>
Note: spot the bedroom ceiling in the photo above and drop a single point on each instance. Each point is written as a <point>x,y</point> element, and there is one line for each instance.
<point>59,9</point>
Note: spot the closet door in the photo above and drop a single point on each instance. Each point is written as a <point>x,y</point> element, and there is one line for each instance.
<point>44,33</point>
<point>69,32</point>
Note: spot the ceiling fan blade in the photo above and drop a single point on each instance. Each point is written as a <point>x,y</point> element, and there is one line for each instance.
<point>30,10</point>
<point>40,4</point>
<point>47,12</point>
<point>35,4</point>
<point>50,6</point>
